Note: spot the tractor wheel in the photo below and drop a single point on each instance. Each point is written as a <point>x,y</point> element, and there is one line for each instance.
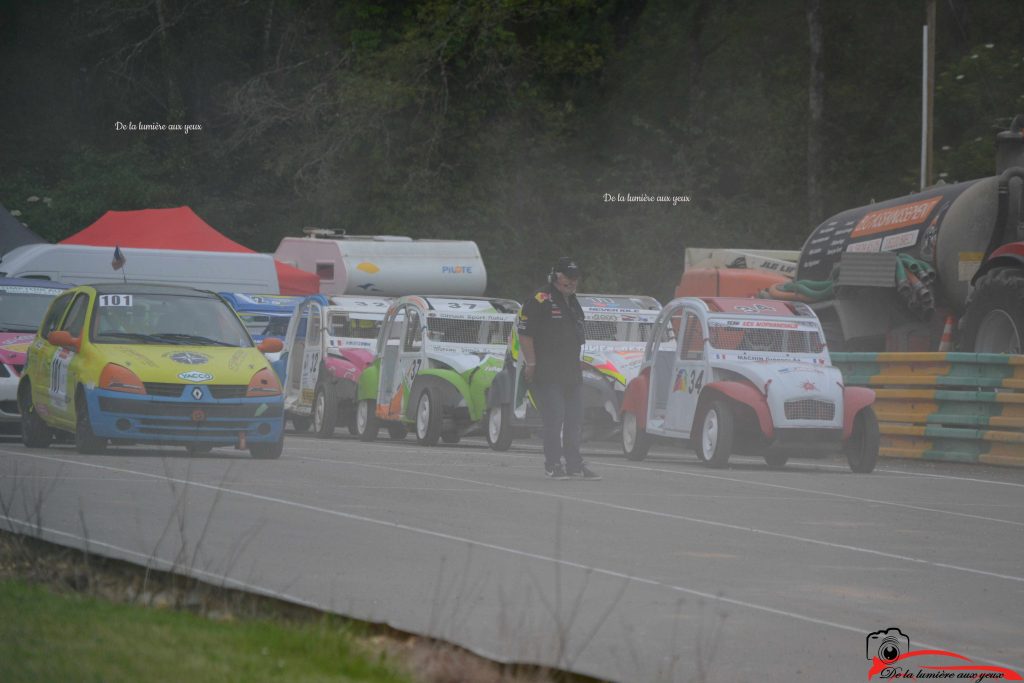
<point>994,320</point>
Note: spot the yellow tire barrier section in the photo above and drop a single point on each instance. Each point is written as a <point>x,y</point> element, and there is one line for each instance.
<point>953,407</point>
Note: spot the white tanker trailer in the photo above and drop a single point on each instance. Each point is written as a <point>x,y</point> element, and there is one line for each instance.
<point>386,265</point>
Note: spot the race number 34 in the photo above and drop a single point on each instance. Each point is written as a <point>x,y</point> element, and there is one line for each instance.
<point>115,300</point>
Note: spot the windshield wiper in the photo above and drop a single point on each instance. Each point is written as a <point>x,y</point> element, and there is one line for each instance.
<point>182,338</point>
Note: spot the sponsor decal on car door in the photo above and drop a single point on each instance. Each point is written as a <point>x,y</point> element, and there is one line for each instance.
<point>688,377</point>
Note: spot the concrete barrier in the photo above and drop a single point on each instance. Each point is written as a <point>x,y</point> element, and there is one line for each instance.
<point>954,407</point>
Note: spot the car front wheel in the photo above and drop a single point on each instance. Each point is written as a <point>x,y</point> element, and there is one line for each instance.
<point>861,448</point>
<point>635,440</point>
<point>86,441</point>
<point>325,411</point>
<point>714,434</point>
<point>366,421</point>
<point>499,427</point>
<point>428,418</point>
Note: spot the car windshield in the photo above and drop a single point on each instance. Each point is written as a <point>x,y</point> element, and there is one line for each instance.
<point>768,336</point>
<point>490,330</point>
<point>166,319</point>
<point>353,326</point>
<point>23,308</point>
<point>617,330</point>
<point>264,325</point>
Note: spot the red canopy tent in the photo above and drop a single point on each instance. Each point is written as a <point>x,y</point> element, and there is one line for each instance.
<point>179,228</point>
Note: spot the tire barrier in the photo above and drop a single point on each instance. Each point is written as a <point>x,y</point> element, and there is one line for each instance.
<point>953,407</point>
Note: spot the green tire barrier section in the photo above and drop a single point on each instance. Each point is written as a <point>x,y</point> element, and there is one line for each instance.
<point>952,407</point>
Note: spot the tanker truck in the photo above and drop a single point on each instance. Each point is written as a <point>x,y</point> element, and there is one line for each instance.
<point>895,271</point>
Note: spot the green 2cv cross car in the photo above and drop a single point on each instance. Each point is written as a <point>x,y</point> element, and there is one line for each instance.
<point>436,359</point>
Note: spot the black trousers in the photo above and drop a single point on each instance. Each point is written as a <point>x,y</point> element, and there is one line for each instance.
<point>561,409</point>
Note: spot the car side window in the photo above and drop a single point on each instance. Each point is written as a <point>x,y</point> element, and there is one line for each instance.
<point>414,332</point>
<point>54,315</point>
<point>692,347</point>
<point>74,323</point>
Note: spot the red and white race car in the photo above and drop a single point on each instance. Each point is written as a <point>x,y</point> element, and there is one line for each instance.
<point>740,374</point>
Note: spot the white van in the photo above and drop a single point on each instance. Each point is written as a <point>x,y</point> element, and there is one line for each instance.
<point>76,264</point>
<point>386,265</point>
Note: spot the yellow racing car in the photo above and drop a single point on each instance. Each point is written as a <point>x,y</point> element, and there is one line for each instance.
<point>141,363</point>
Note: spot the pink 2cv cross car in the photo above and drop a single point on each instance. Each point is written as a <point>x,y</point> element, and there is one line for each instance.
<point>742,374</point>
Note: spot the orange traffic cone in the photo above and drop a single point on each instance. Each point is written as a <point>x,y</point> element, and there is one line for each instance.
<point>946,343</point>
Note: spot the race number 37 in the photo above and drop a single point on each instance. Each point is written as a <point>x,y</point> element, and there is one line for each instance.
<point>115,300</point>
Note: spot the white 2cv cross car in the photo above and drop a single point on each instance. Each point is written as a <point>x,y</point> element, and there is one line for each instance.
<point>740,374</point>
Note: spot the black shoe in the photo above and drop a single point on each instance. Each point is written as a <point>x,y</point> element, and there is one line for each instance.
<point>584,473</point>
<point>555,472</point>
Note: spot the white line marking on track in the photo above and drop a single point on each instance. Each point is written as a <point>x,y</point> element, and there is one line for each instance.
<point>684,518</point>
<point>492,546</point>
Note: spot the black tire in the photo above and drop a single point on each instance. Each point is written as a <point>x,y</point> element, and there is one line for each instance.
<point>86,442</point>
<point>499,427</point>
<point>268,450</point>
<point>366,423</point>
<point>635,439</point>
<point>861,448</point>
<point>325,410</point>
<point>198,448</point>
<point>714,432</point>
<point>34,432</point>
<point>428,417</point>
<point>397,431</point>
<point>994,317</point>
<point>451,437</point>
<point>300,423</point>
<point>776,459</point>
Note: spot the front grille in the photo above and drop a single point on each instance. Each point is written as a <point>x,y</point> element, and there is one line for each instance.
<point>164,389</point>
<point>810,409</point>
<point>173,390</point>
<point>174,409</point>
<point>228,390</point>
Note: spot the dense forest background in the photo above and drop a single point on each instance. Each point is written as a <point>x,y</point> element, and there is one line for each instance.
<point>501,121</point>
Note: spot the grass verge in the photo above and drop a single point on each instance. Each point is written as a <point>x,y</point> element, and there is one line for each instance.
<point>46,636</point>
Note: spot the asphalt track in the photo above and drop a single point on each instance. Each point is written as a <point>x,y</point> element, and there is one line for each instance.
<point>662,571</point>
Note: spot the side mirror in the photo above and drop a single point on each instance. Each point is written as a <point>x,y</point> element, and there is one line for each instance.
<point>64,338</point>
<point>271,345</point>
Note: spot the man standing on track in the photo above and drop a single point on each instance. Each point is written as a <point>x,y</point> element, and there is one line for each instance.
<point>551,334</point>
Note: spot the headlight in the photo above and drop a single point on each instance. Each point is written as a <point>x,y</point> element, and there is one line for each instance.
<point>119,378</point>
<point>264,383</point>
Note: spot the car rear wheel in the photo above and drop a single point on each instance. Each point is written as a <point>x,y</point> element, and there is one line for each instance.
<point>499,427</point>
<point>34,432</point>
<point>397,431</point>
<point>428,418</point>
<point>300,423</point>
<point>635,440</point>
<point>716,426</point>
<point>325,411</point>
<point>366,421</point>
<point>861,448</point>
<point>86,441</point>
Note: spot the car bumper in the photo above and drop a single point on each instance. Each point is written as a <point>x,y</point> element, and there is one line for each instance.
<point>157,419</point>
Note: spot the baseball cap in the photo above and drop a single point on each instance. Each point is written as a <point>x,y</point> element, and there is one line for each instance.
<point>567,267</point>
